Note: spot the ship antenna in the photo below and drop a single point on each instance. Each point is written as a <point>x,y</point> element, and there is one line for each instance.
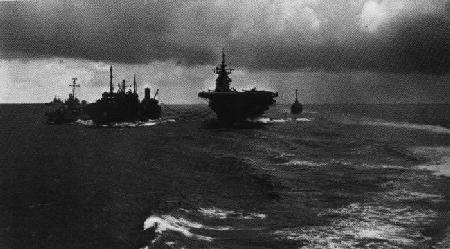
<point>134,83</point>
<point>74,85</point>
<point>223,57</point>
<point>111,88</point>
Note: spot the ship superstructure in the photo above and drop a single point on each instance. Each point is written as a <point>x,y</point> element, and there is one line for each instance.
<point>233,106</point>
<point>69,111</point>
<point>123,105</point>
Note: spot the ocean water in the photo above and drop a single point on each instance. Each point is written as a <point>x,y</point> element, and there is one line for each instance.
<point>336,176</point>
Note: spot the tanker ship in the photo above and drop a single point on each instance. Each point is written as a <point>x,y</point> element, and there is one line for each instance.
<point>123,105</point>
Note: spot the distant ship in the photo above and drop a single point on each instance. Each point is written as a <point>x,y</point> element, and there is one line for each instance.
<point>296,107</point>
<point>55,101</point>
<point>68,111</point>
<point>124,106</point>
<point>232,106</point>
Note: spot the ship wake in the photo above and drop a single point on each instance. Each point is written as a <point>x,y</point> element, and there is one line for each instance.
<point>125,124</point>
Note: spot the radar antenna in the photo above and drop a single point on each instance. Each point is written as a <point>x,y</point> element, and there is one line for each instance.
<point>74,85</point>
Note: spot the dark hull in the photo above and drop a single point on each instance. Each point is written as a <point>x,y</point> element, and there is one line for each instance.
<point>233,107</point>
<point>64,116</point>
<point>114,112</point>
<point>296,108</point>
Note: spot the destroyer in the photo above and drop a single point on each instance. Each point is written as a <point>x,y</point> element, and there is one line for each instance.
<point>232,106</point>
<point>69,111</point>
<point>124,106</point>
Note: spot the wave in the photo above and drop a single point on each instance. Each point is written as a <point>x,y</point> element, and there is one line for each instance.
<point>225,214</point>
<point>126,124</point>
<point>439,159</point>
<point>303,120</point>
<point>382,166</point>
<point>405,195</point>
<point>164,223</point>
<point>161,225</point>
<point>170,223</point>
<point>266,120</point>
<point>304,163</point>
<point>363,225</point>
<point>411,126</point>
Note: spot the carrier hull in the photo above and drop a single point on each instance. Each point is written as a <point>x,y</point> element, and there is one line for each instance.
<point>239,106</point>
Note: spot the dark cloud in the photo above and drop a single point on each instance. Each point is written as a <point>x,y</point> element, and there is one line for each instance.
<point>192,32</point>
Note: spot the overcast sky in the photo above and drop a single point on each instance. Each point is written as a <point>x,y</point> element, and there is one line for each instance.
<point>332,51</point>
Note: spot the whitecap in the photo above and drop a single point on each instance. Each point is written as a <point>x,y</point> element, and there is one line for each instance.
<point>304,163</point>
<point>149,122</point>
<point>406,195</point>
<point>303,120</point>
<point>266,120</point>
<point>439,159</point>
<point>84,122</point>
<point>169,223</point>
<point>359,224</point>
<point>218,213</point>
<point>382,166</point>
<point>411,126</point>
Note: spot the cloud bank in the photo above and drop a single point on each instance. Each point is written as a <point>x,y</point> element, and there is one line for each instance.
<point>399,36</point>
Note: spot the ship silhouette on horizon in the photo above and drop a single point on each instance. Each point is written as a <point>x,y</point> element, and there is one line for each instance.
<point>123,105</point>
<point>68,111</point>
<point>296,107</point>
<point>232,106</point>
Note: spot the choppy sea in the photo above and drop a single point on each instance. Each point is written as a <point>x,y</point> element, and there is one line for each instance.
<point>336,176</point>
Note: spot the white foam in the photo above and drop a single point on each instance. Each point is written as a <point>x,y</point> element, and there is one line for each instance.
<point>215,213</point>
<point>84,122</point>
<point>411,126</point>
<point>303,120</point>
<point>382,166</point>
<point>403,194</point>
<point>281,120</point>
<point>256,215</point>
<point>225,214</point>
<point>149,122</point>
<point>304,163</point>
<point>439,159</point>
<point>169,223</point>
<point>385,226</point>
<point>266,120</point>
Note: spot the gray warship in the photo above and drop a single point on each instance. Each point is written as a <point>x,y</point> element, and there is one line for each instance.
<point>232,106</point>
<point>68,111</point>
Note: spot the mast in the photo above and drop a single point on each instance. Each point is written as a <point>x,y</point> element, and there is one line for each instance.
<point>123,86</point>
<point>223,58</point>
<point>296,99</point>
<point>223,81</point>
<point>134,83</point>
<point>111,88</point>
<point>74,85</point>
